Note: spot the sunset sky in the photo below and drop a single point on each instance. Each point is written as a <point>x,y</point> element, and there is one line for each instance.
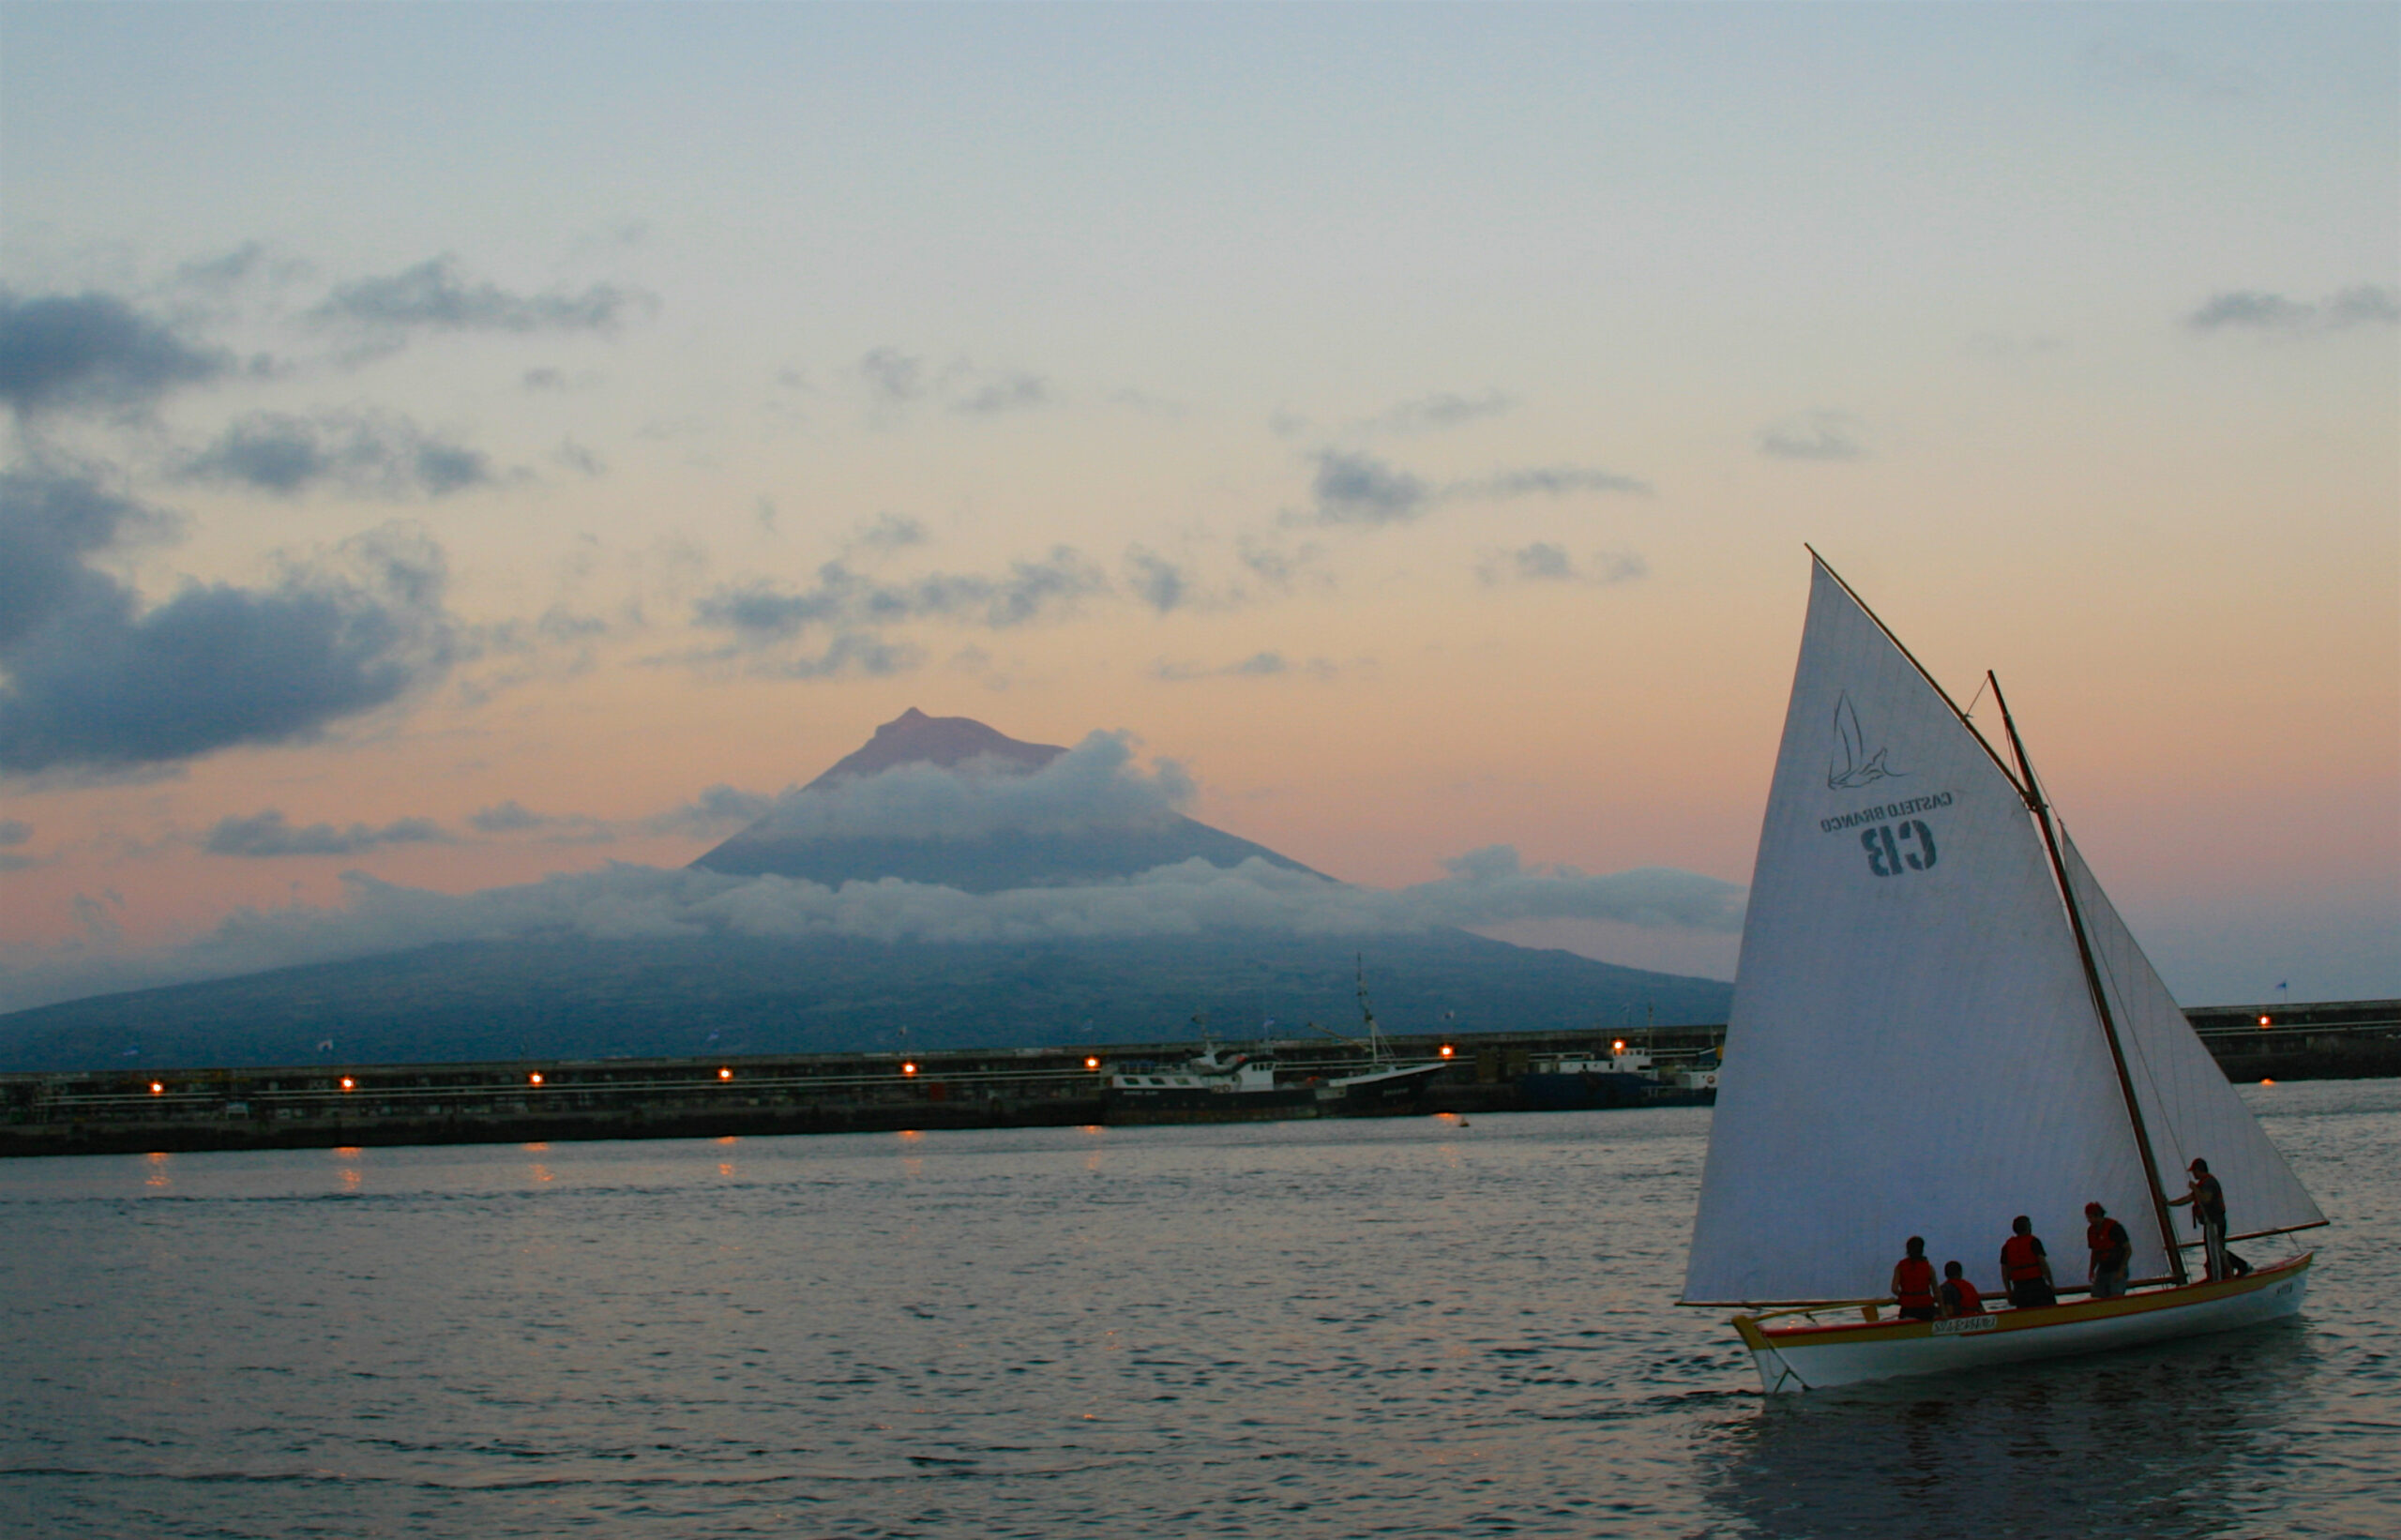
<point>561,426</point>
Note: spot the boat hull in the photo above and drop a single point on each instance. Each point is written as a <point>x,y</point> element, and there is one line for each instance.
<point>1815,1357</point>
<point>1547,1092</point>
<point>1378,1093</point>
<point>1134,1108</point>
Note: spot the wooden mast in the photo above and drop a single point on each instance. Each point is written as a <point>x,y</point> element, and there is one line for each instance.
<point>2031,791</point>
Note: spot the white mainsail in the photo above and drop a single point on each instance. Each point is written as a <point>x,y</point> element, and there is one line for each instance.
<point>2188,1107</point>
<point>1913,1048</point>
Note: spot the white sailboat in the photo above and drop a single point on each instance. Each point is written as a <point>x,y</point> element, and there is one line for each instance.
<point>1939,1022</point>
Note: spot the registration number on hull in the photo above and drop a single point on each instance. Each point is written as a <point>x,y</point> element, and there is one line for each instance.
<point>1964,1325</point>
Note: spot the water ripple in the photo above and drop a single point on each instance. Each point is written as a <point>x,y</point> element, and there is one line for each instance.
<point>1405,1328</point>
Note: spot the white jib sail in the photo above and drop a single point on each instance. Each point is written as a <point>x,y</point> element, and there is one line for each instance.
<point>1913,1048</point>
<point>2188,1108</point>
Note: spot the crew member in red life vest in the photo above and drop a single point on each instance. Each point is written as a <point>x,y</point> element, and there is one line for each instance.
<point>1913,1284</point>
<point>2025,1268</point>
<point>2113,1252</point>
<point>1960,1296</point>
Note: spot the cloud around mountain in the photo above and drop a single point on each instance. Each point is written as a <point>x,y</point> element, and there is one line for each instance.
<point>919,812</point>
<point>928,784</point>
<point>1093,786</point>
<point>623,902</point>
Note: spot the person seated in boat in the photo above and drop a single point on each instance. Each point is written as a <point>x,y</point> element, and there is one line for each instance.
<point>1960,1296</point>
<point>2026,1268</point>
<point>2209,1213</point>
<point>1913,1284</point>
<point>2113,1252</point>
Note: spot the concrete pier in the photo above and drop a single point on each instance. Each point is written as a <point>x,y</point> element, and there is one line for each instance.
<point>324,1106</point>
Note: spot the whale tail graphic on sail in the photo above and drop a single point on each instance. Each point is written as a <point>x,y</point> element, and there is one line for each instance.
<point>1939,1022</point>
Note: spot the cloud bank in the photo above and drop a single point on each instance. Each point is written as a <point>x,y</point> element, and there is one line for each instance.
<point>514,817</point>
<point>368,454</point>
<point>267,834</point>
<point>1814,436</point>
<point>629,902</point>
<point>895,379</point>
<point>1156,582</point>
<point>850,607</point>
<point>1442,409</point>
<point>434,296</point>
<point>93,681</point>
<point>2255,311</point>
<point>1544,561</point>
<point>714,810</point>
<point>1360,491</point>
<point>14,832</point>
<point>1260,665</point>
<point>72,352</point>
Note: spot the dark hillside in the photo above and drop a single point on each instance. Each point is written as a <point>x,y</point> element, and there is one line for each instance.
<point>589,999</point>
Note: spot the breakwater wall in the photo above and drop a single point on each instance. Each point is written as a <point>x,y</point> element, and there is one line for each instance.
<point>2352,1040</point>
<point>326,1106</point>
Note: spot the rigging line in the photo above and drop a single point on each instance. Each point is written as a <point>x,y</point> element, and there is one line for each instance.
<point>1970,714</point>
<point>2166,1097</point>
<point>2162,1098</point>
<point>2107,966</point>
<point>2041,810</point>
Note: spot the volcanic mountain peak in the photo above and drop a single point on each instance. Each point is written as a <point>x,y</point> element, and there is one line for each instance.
<point>979,835</point>
<point>914,738</point>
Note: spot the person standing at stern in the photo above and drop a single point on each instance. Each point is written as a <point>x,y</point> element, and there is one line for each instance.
<point>2209,1214</point>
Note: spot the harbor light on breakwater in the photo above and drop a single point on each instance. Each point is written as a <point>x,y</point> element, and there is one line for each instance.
<point>330,1106</point>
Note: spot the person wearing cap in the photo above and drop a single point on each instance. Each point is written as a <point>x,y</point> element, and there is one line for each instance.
<point>2113,1252</point>
<point>2209,1214</point>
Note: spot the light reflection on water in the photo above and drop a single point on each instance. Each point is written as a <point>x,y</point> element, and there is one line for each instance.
<point>1411,1328</point>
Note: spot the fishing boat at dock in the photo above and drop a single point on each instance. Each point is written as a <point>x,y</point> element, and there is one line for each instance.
<point>1940,1023</point>
<point>1217,1085</point>
<point>1623,1076</point>
<point>1387,1086</point>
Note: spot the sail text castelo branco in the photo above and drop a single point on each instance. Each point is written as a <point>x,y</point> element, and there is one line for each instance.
<point>1939,1021</point>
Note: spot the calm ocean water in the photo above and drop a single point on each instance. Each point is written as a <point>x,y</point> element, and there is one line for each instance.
<point>1395,1328</point>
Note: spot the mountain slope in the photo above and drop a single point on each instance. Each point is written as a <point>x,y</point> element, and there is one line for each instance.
<point>754,968</point>
<point>729,994</point>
